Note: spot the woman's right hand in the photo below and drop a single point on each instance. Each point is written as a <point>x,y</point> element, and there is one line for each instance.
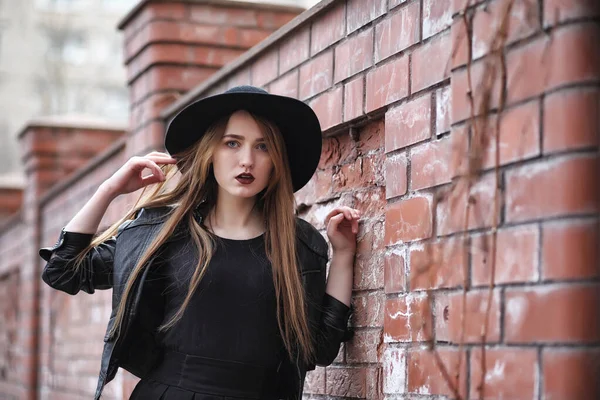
<point>129,177</point>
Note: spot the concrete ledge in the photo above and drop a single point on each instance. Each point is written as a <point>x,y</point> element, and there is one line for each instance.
<point>73,122</point>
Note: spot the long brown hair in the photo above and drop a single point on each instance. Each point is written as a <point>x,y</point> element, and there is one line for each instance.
<point>197,186</point>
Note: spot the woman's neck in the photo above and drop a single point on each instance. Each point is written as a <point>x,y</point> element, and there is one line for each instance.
<point>235,218</point>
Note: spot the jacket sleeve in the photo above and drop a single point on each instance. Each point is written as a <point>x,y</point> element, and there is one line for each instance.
<point>333,322</point>
<point>95,271</point>
<point>333,330</point>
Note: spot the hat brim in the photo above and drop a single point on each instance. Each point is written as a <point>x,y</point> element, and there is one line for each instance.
<point>296,121</point>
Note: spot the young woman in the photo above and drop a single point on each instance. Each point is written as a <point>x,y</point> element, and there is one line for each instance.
<point>219,291</point>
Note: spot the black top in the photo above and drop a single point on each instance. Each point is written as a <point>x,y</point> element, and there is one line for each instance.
<point>232,314</point>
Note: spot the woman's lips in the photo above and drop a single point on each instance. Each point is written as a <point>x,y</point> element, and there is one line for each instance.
<point>244,180</point>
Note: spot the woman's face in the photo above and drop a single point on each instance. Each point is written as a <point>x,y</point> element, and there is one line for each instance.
<point>241,161</point>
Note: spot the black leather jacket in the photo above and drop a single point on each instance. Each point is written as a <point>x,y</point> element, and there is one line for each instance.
<point>137,348</point>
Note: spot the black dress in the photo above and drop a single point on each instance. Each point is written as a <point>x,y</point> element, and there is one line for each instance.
<point>227,345</point>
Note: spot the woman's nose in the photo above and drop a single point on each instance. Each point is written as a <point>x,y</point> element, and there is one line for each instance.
<point>246,158</point>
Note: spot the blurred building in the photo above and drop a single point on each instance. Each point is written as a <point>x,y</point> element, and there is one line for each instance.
<point>61,57</point>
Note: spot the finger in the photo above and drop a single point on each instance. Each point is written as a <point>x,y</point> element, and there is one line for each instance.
<point>151,165</point>
<point>331,214</point>
<point>149,180</point>
<point>336,220</point>
<point>162,159</point>
<point>347,213</point>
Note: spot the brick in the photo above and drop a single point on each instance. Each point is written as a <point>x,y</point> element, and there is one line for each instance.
<point>408,123</point>
<point>316,76</point>
<point>273,20</point>
<point>370,238</point>
<point>361,12</point>
<point>394,371</point>
<point>559,11</point>
<point>179,54</point>
<point>315,381</point>
<point>484,79</point>
<point>328,29</point>
<point>394,271</point>
<point>531,190</point>
<point>395,3</point>
<point>552,314</point>
<point>395,175</point>
<point>248,38</point>
<point>386,84</point>
<point>240,77</point>
<point>435,163</point>
<point>449,316</point>
<point>570,250</point>
<point>451,208</point>
<point>371,202</point>
<point>150,109</point>
<point>425,375</point>
<point>516,256</point>
<point>363,346</point>
<point>430,63</point>
<point>570,373</point>
<point>397,32</point>
<point>371,137</point>
<point>347,382</point>
<point>208,14</point>
<point>286,85</point>
<point>522,22</point>
<point>571,120</point>
<point>517,366</point>
<point>317,189</point>
<point>437,16</point>
<point>353,55</point>
<point>168,77</point>
<point>437,265</point>
<point>368,273</point>
<point>294,50</point>
<point>365,171</point>
<point>340,149</point>
<point>154,11</point>
<point>408,220</point>
<point>328,107</point>
<point>443,105</point>
<point>369,312</point>
<point>538,67</point>
<point>264,69</point>
<point>519,135</point>
<point>354,99</point>
<point>407,319</point>
<point>178,32</point>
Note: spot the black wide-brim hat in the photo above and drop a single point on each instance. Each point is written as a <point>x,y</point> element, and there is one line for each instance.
<point>296,121</point>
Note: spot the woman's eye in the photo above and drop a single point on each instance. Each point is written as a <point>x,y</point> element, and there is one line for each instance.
<point>231,144</point>
<point>262,147</point>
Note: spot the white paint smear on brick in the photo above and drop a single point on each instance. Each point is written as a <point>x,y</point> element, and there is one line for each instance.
<point>515,307</point>
<point>433,25</point>
<point>394,371</point>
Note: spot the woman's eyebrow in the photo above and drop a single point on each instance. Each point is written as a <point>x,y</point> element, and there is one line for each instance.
<point>231,135</point>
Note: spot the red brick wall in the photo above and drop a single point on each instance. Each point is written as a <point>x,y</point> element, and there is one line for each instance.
<point>389,80</point>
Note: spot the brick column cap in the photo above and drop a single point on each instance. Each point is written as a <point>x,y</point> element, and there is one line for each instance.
<point>72,121</point>
<point>221,3</point>
<point>282,33</point>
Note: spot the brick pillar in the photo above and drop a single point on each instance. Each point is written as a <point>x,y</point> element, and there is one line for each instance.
<point>54,147</point>
<point>10,201</point>
<point>171,47</point>
<point>51,149</point>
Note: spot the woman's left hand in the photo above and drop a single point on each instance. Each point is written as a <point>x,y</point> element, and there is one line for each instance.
<point>342,228</point>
